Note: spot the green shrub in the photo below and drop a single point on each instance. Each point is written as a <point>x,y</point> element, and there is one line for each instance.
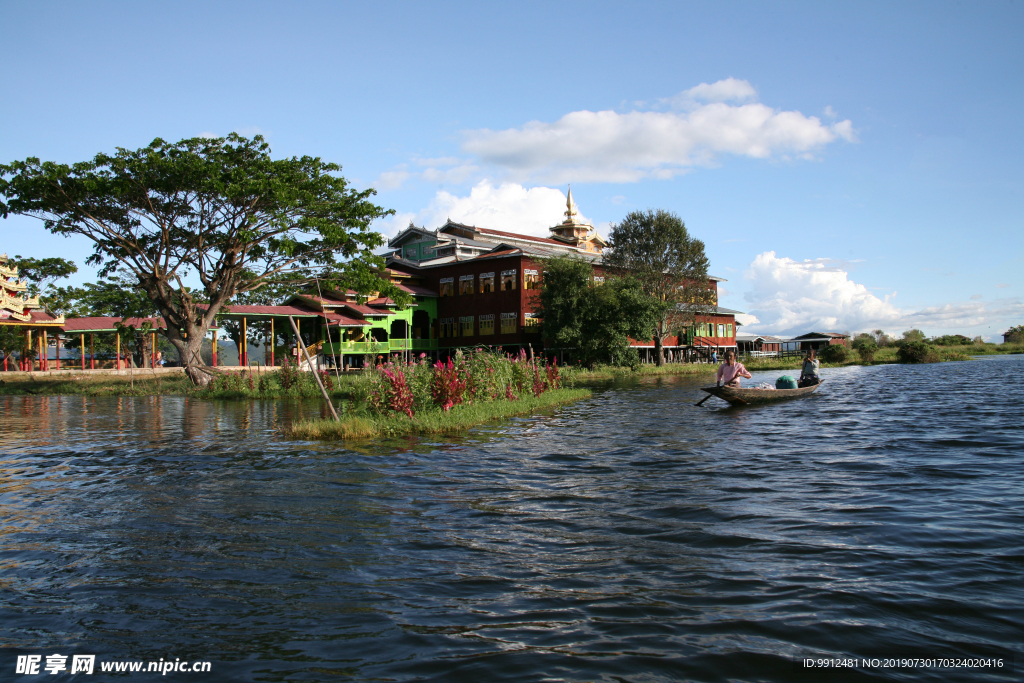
<point>916,352</point>
<point>867,352</point>
<point>835,353</point>
<point>866,346</point>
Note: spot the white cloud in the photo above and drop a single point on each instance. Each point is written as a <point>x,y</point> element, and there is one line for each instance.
<point>793,297</point>
<point>391,180</point>
<point>442,171</point>
<point>746,319</point>
<point>608,146</point>
<point>728,90</point>
<point>508,206</point>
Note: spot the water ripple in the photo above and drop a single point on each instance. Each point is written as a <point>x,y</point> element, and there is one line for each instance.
<point>630,537</point>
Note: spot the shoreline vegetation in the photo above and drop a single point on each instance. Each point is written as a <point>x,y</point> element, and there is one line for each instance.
<point>235,384</point>
<point>436,421</point>
<point>884,356</point>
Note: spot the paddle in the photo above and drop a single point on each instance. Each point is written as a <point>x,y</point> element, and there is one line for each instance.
<point>703,399</point>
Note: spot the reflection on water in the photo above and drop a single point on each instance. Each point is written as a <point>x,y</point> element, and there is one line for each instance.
<point>627,537</point>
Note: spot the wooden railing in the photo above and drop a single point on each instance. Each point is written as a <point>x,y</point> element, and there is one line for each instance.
<point>372,347</point>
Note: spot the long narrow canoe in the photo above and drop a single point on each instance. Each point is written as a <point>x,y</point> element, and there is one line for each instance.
<point>742,397</point>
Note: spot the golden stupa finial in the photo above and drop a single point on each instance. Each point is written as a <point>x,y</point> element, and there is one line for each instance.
<point>570,208</point>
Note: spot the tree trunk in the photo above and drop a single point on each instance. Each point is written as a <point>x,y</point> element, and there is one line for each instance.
<point>189,352</point>
<point>659,351</point>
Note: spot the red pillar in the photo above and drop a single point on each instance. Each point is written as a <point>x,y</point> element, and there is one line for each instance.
<point>58,351</point>
<point>92,350</point>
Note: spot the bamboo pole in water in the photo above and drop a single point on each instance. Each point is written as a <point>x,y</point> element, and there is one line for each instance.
<point>316,375</point>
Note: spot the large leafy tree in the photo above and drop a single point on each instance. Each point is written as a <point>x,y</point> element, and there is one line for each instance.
<point>41,273</point>
<point>596,320</point>
<point>655,249</point>
<point>118,297</point>
<point>219,210</point>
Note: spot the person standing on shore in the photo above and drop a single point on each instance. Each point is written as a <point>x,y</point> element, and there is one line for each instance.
<point>731,370</point>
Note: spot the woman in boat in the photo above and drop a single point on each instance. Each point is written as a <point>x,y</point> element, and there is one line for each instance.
<point>809,374</point>
<point>731,370</point>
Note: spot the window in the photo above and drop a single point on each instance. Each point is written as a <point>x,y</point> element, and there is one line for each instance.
<point>508,323</point>
<point>447,286</point>
<point>465,284</point>
<point>486,283</point>
<point>487,324</point>
<point>448,329</point>
<point>721,329</point>
<point>598,280</point>
<point>466,326</point>
<point>728,329</point>
<point>531,320</point>
<point>508,280</point>
<point>531,279</point>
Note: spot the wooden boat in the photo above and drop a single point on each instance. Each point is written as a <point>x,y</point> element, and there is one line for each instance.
<point>743,397</point>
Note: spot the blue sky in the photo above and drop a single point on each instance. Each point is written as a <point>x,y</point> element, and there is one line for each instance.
<point>847,167</point>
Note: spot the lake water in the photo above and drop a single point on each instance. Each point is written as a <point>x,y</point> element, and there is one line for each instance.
<point>629,537</point>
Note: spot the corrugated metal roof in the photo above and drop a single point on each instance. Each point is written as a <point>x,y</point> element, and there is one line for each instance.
<point>107,323</point>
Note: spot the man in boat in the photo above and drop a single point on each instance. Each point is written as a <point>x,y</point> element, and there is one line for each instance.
<point>809,373</point>
<point>730,372</point>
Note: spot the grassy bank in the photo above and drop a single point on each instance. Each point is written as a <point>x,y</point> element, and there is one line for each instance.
<point>242,386</point>
<point>95,385</point>
<point>882,357</point>
<point>431,421</point>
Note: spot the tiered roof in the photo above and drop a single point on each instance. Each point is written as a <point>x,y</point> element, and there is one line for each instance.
<point>16,308</point>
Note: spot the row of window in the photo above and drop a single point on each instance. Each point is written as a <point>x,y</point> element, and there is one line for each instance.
<point>484,325</point>
<point>712,330</point>
<point>508,282</point>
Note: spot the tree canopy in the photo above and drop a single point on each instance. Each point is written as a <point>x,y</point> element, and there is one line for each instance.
<point>220,210</point>
<point>655,249</point>
<point>595,319</point>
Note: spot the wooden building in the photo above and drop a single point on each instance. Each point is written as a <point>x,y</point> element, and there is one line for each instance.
<point>759,345</point>
<point>488,281</point>
<point>819,340</point>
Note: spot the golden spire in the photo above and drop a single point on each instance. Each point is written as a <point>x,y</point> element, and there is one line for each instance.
<point>570,208</point>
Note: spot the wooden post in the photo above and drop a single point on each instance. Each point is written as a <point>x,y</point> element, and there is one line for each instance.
<point>316,375</point>
<point>273,342</point>
<point>58,351</point>
<point>243,352</point>
<point>83,349</point>
<point>44,352</point>
<point>92,350</point>
<point>152,350</point>
<point>213,333</point>
<point>117,356</point>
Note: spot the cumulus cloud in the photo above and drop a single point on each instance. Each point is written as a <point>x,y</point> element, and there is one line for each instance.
<point>793,297</point>
<point>705,123</point>
<point>507,206</point>
<point>442,171</point>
